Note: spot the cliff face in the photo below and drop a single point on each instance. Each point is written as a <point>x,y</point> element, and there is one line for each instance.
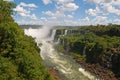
<point>96,46</point>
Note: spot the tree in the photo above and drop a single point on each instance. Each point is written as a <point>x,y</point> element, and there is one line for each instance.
<point>6,11</point>
<point>19,54</point>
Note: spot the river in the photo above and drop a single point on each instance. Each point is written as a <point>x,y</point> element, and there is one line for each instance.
<point>66,67</point>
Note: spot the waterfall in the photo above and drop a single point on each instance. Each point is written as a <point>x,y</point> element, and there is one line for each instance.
<point>58,41</point>
<point>66,32</point>
<point>110,59</point>
<point>84,50</point>
<point>67,48</point>
<point>66,67</point>
<point>69,31</point>
<point>53,34</point>
<point>63,42</point>
<point>62,32</point>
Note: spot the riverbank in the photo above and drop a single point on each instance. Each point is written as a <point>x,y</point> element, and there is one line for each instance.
<point>102,72</point>
<point>53,72</point>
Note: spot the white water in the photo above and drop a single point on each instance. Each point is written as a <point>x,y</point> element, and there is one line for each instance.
<point>58,41</point>
<point>66,67</point>
<point>110,59</point>
<point>66,32</point>
<point>84,50</point>
<point>53,34</point>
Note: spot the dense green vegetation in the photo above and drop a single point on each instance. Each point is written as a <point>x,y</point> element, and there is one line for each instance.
<point>95,45</point>
<point>19,54</point>
<point>110,30</point>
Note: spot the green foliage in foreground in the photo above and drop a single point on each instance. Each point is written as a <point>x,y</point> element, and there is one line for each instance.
<point>19,54</point>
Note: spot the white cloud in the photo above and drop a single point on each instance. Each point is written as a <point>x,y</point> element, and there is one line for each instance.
<point>21,11</point>
<point>46,1</point>
<point>105,7</point>
<point>43,18</point>
<point>69,7</point>
<point>63,5</point>
<point>84,21</point>
<point>64,11</point>
<point>87,19</point>
<point>9,0</point>
<point>98,1</point>
<point>69,16</point>
<point>116,2</point>
<point>49,13</point>
<point>28,5</point>
<point>111,9</point>
<point>25,12</point>
<point>57,1</point>
<point>100,20</point>
<point>116,21</point>
<point>55,15</point>
<point>93,12</point>
<point>33,16</point>
<point>64,1</point>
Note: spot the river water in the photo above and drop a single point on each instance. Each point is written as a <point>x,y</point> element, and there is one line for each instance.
<point>65,66</point>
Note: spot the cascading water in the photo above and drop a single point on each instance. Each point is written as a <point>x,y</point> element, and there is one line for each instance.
<point>58,41</point>
<point>110,59</point>
<point>62,32</point>
<point>84,50</point>
<point>66,67</point>
<point>53,34</point>
<point>66,32</point>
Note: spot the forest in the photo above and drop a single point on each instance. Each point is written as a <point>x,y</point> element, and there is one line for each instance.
<point>99,45</point>
<point>19,54</point>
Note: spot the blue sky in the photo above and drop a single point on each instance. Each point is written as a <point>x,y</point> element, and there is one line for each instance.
<point>67,12</point>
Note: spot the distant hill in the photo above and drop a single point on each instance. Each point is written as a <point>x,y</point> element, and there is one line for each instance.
<point>30,26</point>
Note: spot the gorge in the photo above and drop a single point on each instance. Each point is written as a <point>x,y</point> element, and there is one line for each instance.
<point>65,66</point>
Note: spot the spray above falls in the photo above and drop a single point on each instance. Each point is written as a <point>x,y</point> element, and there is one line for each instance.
<point>39,33</point>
